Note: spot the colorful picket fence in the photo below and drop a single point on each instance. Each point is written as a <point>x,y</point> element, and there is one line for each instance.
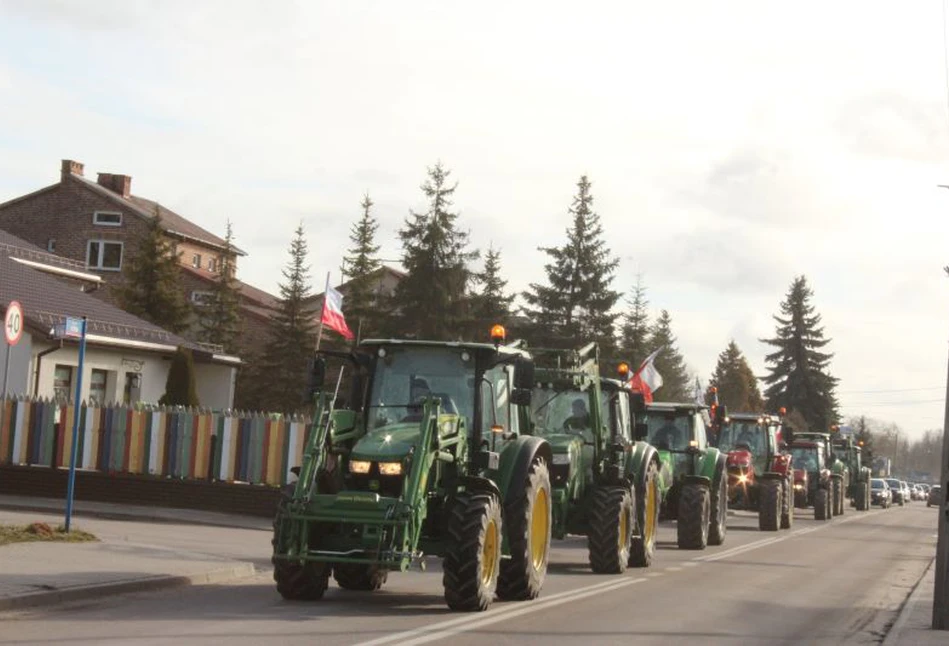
<point>163,441</point>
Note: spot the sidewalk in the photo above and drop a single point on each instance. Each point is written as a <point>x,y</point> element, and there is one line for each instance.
<point>913,626</point>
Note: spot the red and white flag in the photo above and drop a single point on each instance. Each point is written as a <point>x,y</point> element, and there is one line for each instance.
<point>647,379</point>
<point>333,313</point>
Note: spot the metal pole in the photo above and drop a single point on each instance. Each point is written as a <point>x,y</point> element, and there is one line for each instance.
<point>941,587</point>
<point>319,335</point>
<point>75,426</point>
<point>6,369</point>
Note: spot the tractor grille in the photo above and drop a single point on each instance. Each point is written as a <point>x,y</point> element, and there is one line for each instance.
<point>559,474</point>
<point>388,486</point>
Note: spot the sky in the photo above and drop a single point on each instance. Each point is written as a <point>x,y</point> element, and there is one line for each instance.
<point>731,145</point>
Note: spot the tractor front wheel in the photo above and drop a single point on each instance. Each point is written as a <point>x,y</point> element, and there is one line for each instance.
<point>787,504</point>
<point>861,494</point>
<point>838,502</point>
<point>719,511</point>
<point>356,576</point>
<point>528,520</point>
<point>301,581</point>
<point>473,557</point>
<point>611,530</point>
<point>647,518</point>
<point>822,504</point>
<point>769,509</point>
<point>692,525</point>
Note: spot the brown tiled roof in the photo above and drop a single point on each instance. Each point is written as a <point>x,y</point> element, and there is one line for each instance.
<point>258,295</point>
<point>10,245</point>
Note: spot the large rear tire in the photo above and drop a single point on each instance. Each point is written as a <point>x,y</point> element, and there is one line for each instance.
<point>611,530</point>
<point>822,504</point>
<point>694,511</point>
<point>787,504</point>
<point>838,501</point>
<point>643,546</point>
<point>862,496</point>
<point>769,508</point>
<point>528,521</point>
<point>719,510</point>
<point>472,560</point>
<point>356,576</point>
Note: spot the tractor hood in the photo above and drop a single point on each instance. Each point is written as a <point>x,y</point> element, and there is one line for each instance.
<point>739,458</point>
<point>800,475</point>
<point>390,442</point>
<point>564,444</point>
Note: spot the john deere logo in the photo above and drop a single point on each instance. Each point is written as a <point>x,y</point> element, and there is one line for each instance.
<point>358,498</point>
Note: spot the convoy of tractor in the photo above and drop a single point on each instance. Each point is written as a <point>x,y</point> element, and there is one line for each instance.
<point>481,453</point>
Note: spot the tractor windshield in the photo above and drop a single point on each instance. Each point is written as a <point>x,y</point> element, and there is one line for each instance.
<point>562,411</point>
<point>808,458</point>
<point>742,434</point>
<point>669,432</point>
<point>405,376</point>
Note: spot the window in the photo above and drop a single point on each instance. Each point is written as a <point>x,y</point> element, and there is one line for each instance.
<point>62,382</point>
<point>196,261</point>
<point>104,255</point>
<point>51,245</point>
<point>107,218</point>
<point>97,386</point>
<point>212,264</point>
<point>202,298</point>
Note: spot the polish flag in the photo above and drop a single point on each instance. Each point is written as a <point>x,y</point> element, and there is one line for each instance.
<point>647,379</point>
<point>333,313</point>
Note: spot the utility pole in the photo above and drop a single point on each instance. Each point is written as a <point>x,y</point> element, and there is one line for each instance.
<point>941,587</point>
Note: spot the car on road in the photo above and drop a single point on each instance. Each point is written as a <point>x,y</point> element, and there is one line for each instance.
<point>907,492</point>
<point>935,496</point>
<point>918,492</point>
<point>880,493</point>
<point>896,488</point>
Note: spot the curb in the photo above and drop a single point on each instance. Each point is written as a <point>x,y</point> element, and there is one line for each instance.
<point>894,634</point>
<point>129,516</point>
<point>85,592</point>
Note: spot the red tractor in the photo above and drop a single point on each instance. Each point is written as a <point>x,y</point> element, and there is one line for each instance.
<point>760,476</point>
<point>813,481</point>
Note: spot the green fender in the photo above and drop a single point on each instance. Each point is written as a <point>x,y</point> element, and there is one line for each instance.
<point>712,465</point>
<point>643,454</point>
<point>516,460</point>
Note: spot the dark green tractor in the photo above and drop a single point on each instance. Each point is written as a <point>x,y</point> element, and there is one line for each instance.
<point>851,454</point>
<point>430,460</point>
<point>840,474</point>
<point>693,478</point>
<point>606,485</point>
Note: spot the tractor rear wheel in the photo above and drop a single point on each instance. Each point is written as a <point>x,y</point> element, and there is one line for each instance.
<point>356,576</point>
<point>862,495</point>
<point>787,504</point>
<point>472,560</point>
<point>647,519</point>
<point>769,507</point>
<point>528,520</point>
<point>611,529</point>
<point>719,510</point>
<point>822,504</point>
<point>692,525</point>
<point>838,492</point>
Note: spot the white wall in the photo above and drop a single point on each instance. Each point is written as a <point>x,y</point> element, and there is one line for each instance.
<point>215,384</point>
<point>17,377</point>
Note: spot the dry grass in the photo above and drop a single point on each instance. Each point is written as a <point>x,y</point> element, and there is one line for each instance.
<point>42,532</point>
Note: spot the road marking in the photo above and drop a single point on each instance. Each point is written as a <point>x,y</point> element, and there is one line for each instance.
<point>673,568</point>
<point>653,575</point>
<point>446,629</point>
<point>690,564</point>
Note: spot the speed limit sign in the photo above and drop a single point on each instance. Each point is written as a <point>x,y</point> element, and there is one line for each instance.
<point>13,323</point>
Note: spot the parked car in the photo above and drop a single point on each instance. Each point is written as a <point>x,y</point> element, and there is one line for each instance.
<point>896,489</point>
<point>935,496</point>
<point>918,492</point>
<point>880,493</point>
<point>907,492</point>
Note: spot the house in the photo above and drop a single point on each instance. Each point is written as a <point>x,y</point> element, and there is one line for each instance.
<point>127,359</point>
<point>98,223</point>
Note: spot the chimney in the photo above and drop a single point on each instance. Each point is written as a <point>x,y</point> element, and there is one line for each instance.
<point>71,167</point>
<point>121,184</point>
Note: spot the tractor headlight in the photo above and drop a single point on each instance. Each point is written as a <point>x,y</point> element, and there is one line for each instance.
<point>390,468</point>
<point>742,479</point>
<point>798,487</point>
<point>561,458</point>
<point>359,466</point>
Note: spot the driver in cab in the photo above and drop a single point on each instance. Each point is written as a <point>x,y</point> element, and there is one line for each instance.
<point>580,420</point>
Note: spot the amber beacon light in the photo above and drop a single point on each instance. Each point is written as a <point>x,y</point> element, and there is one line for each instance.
<point>497,334</point>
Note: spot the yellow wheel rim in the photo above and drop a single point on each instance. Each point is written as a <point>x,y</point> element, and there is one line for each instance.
<point>489,553</point>
<point>540,529</point>
<point>623,537</point>
<point>649,531</point>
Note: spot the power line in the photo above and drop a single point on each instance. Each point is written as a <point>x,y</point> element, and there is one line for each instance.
<point>890,390</point>
<point>901,403</point>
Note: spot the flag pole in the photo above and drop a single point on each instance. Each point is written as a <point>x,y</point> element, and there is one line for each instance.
<point>319,334</point>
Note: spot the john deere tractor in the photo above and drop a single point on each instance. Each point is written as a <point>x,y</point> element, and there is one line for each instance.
<point>839,472</point>
<point>760,477</point>
<point>429,460</point>
<point>693,478</point>
<point>851,454</point>
<point>606,486</point>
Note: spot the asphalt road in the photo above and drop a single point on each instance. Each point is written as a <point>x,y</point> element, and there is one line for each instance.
<point>831,582</point>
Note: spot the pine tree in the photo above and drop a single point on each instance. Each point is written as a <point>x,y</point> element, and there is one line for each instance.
<point>669,362</point>
<point>220,318</point>
<point>362,308</point>
<point>634,335</point>
<point>433,299</point>
<point>491,304</point>
<point>736,382</point>
<point>152,288</point>
<point>283,368</point>
<point>575,305</point>
<point>798,378</point>
<point>180,388</point>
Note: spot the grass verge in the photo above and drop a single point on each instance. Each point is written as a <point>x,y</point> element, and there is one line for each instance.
<point>42,532</point>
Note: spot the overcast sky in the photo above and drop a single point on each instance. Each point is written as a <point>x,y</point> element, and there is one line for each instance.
<point>731,146</point>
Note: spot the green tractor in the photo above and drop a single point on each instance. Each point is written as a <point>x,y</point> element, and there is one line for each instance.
<point>693,477</point>
<point>606,485</point>
<point>840,476</point>
<point>431,459</point>
<point>851,453</point>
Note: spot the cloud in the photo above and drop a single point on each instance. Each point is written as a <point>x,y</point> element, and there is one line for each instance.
<point>892,125</point>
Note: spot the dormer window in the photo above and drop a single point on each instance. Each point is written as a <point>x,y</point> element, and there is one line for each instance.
<point>107,218</point>
<point>196,261</point>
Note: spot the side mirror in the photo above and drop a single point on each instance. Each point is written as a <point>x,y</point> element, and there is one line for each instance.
<point>523,373</point>
<point>641,431</point>
<point>521,396</point>
<point>317,375</point>
<point>637,403</point>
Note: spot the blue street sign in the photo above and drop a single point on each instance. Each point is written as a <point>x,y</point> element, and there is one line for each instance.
<point>73,328</point>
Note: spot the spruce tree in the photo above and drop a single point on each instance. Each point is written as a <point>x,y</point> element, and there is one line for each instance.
<point>433,299</point>
<point>220,317</point>
<point>669,362</point>
<point>283,367</point>
<point>152,287</point>
<point>180,387</point>
<point>798,376</point>
<point>575,306</point>
<point>490,304</point>
<point>362,308</point>
<point>736,382</point>
<point>634,334</point>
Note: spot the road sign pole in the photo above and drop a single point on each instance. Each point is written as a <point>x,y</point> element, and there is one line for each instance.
<point>6,370</point>
<point>75,425</point>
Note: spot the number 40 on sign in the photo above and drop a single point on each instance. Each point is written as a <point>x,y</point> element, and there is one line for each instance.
<point>13,323</point>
